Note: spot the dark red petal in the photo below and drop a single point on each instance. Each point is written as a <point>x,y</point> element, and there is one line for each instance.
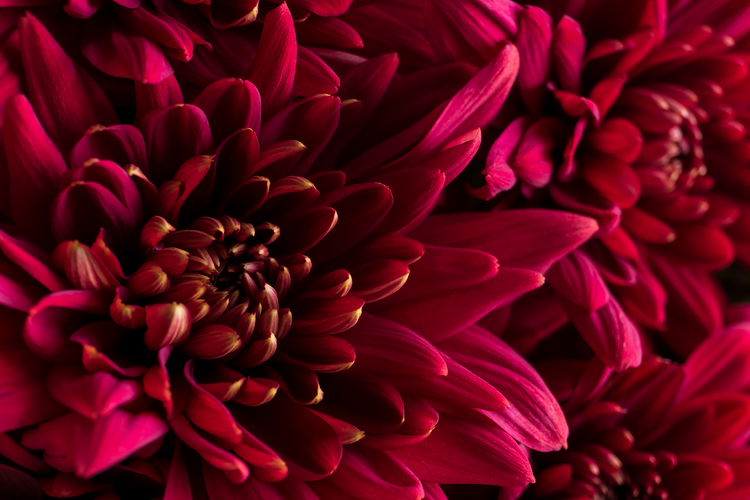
<point>230,104</point>
<point>540,237</point>
<point>463,452</point>
<point>167,131</point>
<point>34,164</point>
<point>272,69</point>
<point>375,475</point>
<point>119,52</point>
<point>306,442</point>
<point>76,104</point>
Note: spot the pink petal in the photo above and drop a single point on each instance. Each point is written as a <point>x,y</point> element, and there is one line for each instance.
<point>34,164</point>
<point>92,395</point>
<point>534,43</point>
<point>609,332</point>
<point>533,161</point>
<point>151,96</point>
<point>476,104</point>
<point>576,278</point>
<point>375,475</point>
<point>24,399</point>
<point>313,76</point>
<point>46,64</point>
<point>123,144</point>
<point>235,469</point>
<point>385,347</point>
<point>83,268</point>
<point>119,52</point>
<point>442,315</point>
<point>273,67</point>
<point>471,30</point>
<point>568,49</point>
<point>460,387</point>
<point>367,83</point>
<point>534,417</point>
<point>58,315</point>
<point>324,8</point>
<point>540,237</point>
<point>95,446</point>
<point>498,173</point>
<point>463,452</point>
<point>207,412</point>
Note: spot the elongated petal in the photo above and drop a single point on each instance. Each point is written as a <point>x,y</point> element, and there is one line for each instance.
<point>95,446</point>
<point>66,102</point>
<point>34,164</point>
<point>273,67</point>
<point>540,237</point>
<point>465,452</point>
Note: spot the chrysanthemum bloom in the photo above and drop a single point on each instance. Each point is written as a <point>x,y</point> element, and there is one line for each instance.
<point>201,307</point>
<point>628,112</point>
<point>154,42</point>
<point>659,431</point>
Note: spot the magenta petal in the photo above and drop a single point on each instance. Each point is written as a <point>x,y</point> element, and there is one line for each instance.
<point>498,173</point>
<point>117,51</point>
<point>477,103</point>
<point>230,104</point>
<point>459,387</point>
<point>386,348</point>
<point>167,131</point>
<point>534,417</point>
<point>360,207</point>
<point>375,475</point>
<point>609,332</point>
<point>34,164</point>
<point>92,395</point>
<point>540,237</point>
<point>15,251</point>
<point>95,446</point>
<point>718,363</point>
<point>415,192</point>
<point>534,41</point>
<point>296,122</point>
<point>568,49</point>
<point>83,208</point>
<point>58,315</point>
<point>123,144</point>
<point>576,278</point>
<point>76,103</point>
<point>438,316</point>
<point>273,67</point>
<point>313,76</point>
<point>470,30</point>
<point>460,451</point>
<point>24,399</point>
<point>235,469</point>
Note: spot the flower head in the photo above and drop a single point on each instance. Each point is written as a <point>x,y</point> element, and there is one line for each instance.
<point>632,114</point>
<point>202,302</point>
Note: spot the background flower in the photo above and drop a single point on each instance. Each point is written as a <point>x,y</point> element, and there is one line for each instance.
<point>629,113</point>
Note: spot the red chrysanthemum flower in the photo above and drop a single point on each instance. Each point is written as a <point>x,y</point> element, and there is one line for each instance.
<point>203,304</point>
<point>629,113</point>
<point>152,43</point>
<point>659,431</point>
